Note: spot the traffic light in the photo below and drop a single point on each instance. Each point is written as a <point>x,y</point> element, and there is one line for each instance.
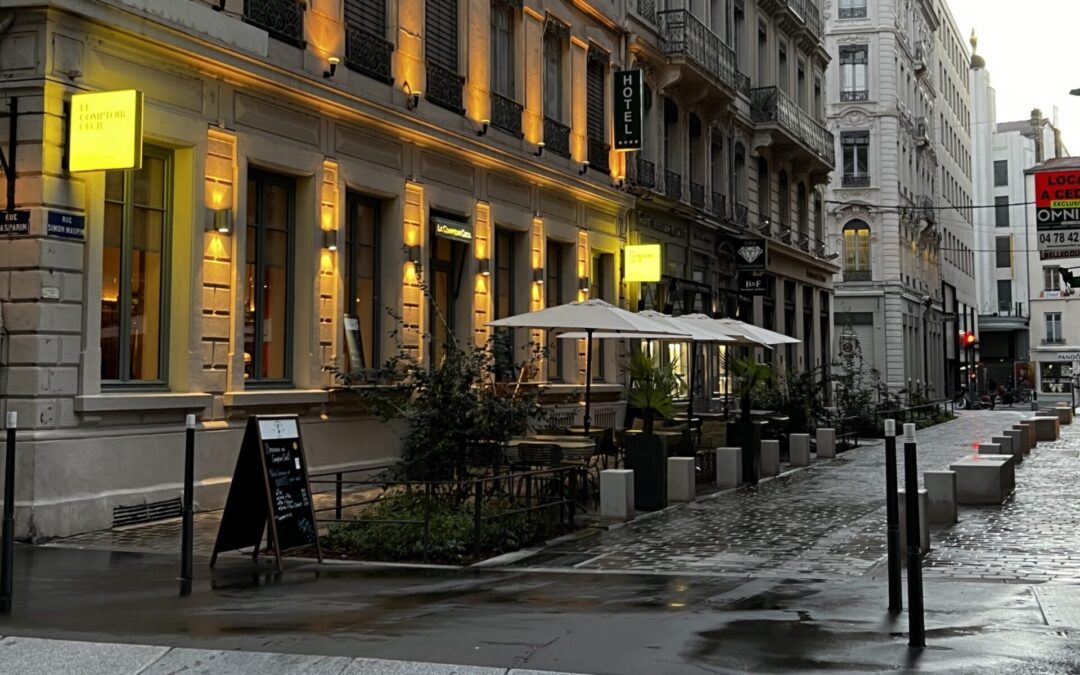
<point>1069,278</point>
<point>968,339</point>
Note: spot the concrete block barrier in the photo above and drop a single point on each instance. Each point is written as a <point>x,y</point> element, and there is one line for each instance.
<point>617,494</point>
<point>799,449</point>
<point>941,496</point>
<point>826,443</point>
<point>1019,448</point>
<point>681,479</point>
<point>770,458</point>
<point>1004,442</point>
<point>728,467</point>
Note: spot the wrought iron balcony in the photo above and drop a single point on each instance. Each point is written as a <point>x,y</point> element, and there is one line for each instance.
<point>741,214</point>
<point>922,136</point>
<point>808,13</point>
<point>719,204</point>
<point>853,12</point>
<point>556,137</point>
<point>857,275</point>
<point>643,173</point>
<point>282,19</point>
<point>599,155</point>
<point>855,95</point>
<point>924,208</point>
<point>697,194</point>
<point>444,88</point>
<point>506,114</point>
<point>368,53</point>
<point>683,34</point>
<point>647,10</point>
<point>672,184</point>
<point>855,180</point>
<point>769,105</point>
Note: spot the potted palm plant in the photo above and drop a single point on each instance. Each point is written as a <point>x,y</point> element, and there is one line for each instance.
<point>653,389</point>
<point>749,376</point>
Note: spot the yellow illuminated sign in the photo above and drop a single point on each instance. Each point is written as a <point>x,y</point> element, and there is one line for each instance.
<point>106,131</point>
<point>643,262</point>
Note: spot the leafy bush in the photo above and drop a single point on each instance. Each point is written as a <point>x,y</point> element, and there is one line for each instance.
<point>799,396</point>
<point>450,534</point>
<point>653,388</point>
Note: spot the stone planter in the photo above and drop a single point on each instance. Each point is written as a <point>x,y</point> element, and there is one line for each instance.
<point>646,456</point>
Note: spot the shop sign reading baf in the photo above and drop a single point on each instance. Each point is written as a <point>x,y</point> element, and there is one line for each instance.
<point>106,131</point>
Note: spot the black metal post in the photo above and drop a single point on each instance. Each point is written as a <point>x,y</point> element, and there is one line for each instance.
<point>7,556</point>
<point>478,499</point>
<point>13,140</point>
<point>588,378</point>
<point>892,510</point>
<point>337,496</point>
<point>187,536</point>
<point>917,627</point>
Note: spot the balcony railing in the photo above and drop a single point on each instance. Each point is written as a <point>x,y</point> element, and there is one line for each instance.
<point>444,88</point>
<point>922,136</point>
<point>808,13</point>
<point>368,53</point>
<point>506,114</point>
<point>282,19</point>
<point>856,180</point>
<point>741,214</point>
<point>924,208</point>
<point>644,173</point>
<point>852,12</point>
<point>855,95</point>
<point>556,137</point>
<point>647,10</point>
<point>697,194</point>
<point>599,155</point>
<point>857,275</point>
<point>683,34</point>
<point>719,204</point>
<point>672,184</point>
<point>769,104</point>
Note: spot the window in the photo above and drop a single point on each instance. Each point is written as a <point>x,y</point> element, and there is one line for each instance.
<point>764,196</point>
<point>855,149</point>
<point>448,258</point>
<point>1051,278</point>
<point>268,273</point>
<point>784,194</point>
<point>1004,295</point>
<point>554,46</point>
<point>441,34</point>
<point>1053,327</point>
<point>853,63</point>
<point>856,251</point>
<point>800,84</point>
<point>603,266</point>
<point>852,9</point>
<point>361,274</point>
<point>366,47</point>
<point>1001,173</point>
<point>502,48</point>
<point>505,302</point>
<point>763,54</point>
<point>555,290</point>
<point>1001,211</point>
<point>782,68</point>
<point>1004,252</point>
<point>134,271</point>
<point>595,90</point>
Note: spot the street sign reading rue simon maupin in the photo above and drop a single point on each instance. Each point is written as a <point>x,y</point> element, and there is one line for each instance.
<point>629,110</point>
<point>1057,213</point>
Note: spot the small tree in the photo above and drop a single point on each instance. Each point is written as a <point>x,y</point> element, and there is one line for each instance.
<point>653,388</point>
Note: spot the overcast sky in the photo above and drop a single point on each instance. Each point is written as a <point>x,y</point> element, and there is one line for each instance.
<point>1032,51</point>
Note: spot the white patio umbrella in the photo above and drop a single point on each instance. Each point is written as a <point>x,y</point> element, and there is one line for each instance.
<point>756,333</point>
<point>591,316</point>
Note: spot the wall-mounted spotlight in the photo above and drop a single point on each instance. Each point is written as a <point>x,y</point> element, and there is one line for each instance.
<point>414,254</point>
<point>584,168</point>
<point>329,241</point>
<point>583,284</point>
<point>620,182</point>
<point>219,220</point>
<point>539,149</point>
<point>538,275</point>
<point>483,266</point>
<point>483,127</point>
<point>333,61</point>
<point>413,97</point>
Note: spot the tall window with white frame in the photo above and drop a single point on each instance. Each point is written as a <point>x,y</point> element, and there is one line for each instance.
<point>855,153</point>
<point>269,278</point>
<point>134,272</point>
<point>852,9</point>
<point>361,272</point>
<point>856,251</point>
<point>854,85</point>
<point>1003,252</point>
<point>556,133</point>
<point>1004,295</point>
<point>1053,328</point>
<point>595,107</point>
<point>505,110</point>
<point>1051,278</point>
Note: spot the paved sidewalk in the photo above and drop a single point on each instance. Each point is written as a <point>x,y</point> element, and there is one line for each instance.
<point>828,521</point>
<point>36,656</point>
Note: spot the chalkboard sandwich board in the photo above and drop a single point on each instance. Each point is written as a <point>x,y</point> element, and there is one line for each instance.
<point>270,491</point>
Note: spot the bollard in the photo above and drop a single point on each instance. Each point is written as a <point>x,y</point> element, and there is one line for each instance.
<point>896,596</point>
<point>187,536</point>
<point>917,626</point>
<point>7,555</point>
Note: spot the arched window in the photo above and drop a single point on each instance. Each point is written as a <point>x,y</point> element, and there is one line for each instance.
<point>785,200</point>
<point>763,193</point>
<point>856,251</point>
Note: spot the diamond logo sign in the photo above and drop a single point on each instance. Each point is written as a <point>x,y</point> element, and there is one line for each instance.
<point>751,255</point>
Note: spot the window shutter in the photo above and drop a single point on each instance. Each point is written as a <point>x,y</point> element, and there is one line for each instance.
<point>367,14</point>
<point>594,83</point>
<point>441,33</point>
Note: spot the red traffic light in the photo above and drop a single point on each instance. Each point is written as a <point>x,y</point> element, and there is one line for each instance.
<point>968,338</point>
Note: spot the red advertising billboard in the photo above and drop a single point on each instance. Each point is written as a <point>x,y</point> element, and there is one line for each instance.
<point>1057,213</point>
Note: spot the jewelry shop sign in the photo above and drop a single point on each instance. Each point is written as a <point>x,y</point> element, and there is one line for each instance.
<point>1057,214</point>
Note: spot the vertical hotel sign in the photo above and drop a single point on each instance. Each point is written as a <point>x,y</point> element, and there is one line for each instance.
<point>1057,213</point>
<point>106,131</point>
<point>629,110</point>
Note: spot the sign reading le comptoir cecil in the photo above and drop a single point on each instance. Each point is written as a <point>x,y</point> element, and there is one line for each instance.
<point>106,131</point>
<point>1057,213</point>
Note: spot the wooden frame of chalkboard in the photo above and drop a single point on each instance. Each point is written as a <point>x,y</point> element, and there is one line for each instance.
<point>270,492</point>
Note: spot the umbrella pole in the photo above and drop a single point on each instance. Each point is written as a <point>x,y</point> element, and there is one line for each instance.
<point>690,392</point>
<point>588,377</point>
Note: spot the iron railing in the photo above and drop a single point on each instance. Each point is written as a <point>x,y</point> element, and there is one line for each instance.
<point>556,137</point>
<point>770,105</point>
<point>672,184</point>
<point>855,95</point>
<point>444,88</point>
<point>856,180</point>
<point>922,135</point>
<point>924,208</point>
<point>741,213</point>
<point>697,194</point>
<point>856,275</point>
<point>719,203</point>
<point>282,19</point>
<point>683,34</point>
<point>599,155</point>
<point>369,54</point>
<point>644,173</point>
<point>506,114</point>
<point>808,13</point>
<point>853,12</point>
<point>647,10</point>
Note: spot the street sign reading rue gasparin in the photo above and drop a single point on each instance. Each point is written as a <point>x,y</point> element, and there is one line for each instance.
<point>629,110</point>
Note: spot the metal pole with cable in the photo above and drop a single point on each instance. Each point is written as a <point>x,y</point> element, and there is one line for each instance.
<point>7,553</point>
<point>916,621</point>
<point>892,518</point>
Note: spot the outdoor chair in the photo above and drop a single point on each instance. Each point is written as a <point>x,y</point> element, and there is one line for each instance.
<point>539,455</point>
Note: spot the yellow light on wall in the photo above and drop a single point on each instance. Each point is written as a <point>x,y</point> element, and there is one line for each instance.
<point>106,131</point>
<point>643,262</point>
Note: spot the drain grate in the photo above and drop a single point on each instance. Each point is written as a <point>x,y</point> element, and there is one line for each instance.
<point>146,513</point>
<point>1060,605</point>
